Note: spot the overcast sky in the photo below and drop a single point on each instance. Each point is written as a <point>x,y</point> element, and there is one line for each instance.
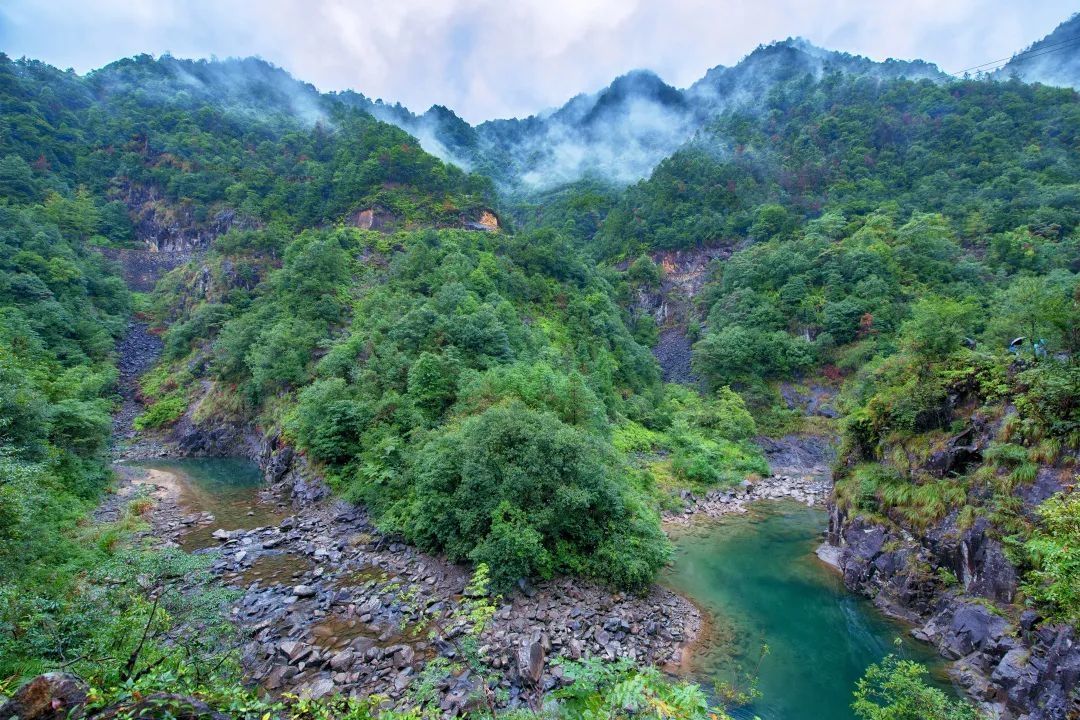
<point>503,58</point>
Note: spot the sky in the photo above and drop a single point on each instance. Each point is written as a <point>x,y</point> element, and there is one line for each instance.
<point>511,58</point>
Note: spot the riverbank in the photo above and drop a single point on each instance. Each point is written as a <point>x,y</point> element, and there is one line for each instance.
<point>809,490</point>
<point>329,604</point>
<point>1007,659</point>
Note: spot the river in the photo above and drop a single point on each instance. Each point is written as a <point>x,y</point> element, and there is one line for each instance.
<point>755,574</point>
<point>228,488</point>
<point>759,579</point>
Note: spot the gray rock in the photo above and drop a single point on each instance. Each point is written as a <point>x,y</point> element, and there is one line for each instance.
<point>404,656</point>
<point>530,663</point>
<point>1011,667</point>
<point>343,660</point>
<point>303,591</point>
<point>294,650</point>
<point>320,687</point>
<point>973,627</point>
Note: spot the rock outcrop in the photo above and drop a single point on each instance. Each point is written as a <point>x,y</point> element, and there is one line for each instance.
<point>163,225</point>
<point>141,269</point>
<point>381,219</point>
<point>671,304</point>
<point>957,584</point>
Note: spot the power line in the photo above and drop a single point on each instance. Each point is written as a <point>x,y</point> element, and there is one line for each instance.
<point>1044,50</point>
<point>1030,56</point>
<point>1018,55</point>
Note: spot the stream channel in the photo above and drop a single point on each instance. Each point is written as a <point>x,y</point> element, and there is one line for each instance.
<point>756,575</point>
<point>761,583</point>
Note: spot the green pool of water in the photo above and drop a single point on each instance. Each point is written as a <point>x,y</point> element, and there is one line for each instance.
<point>761,583</point>
<point>227,487</point>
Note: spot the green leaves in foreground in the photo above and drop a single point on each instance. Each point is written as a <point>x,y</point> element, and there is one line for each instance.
<point>620,689</point>
<point>896,689</point>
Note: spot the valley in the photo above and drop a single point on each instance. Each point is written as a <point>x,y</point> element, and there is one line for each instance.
<point>755,398</point>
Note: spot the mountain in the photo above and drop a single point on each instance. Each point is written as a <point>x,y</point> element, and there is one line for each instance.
<point>825,248</point>
<point>620,133</point>
<point>770,65</point>
<point>1054,60</point>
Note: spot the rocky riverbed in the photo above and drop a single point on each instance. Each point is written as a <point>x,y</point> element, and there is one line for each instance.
<point>329,604</point>
<point>810,489</point>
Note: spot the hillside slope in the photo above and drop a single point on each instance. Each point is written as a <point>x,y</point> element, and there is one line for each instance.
<point>1054,60</point>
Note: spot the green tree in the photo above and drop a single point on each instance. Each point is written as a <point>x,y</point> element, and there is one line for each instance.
<point>937,326</point>
<point>896,689</point>
<point>433,382</point>
<point>528,495</point>
<point>1038,308</point>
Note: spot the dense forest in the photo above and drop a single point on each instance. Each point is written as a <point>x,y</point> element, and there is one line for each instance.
<point>475,369</point>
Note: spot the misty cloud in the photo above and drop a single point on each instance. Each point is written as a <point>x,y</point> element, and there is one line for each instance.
<point>491,58</point>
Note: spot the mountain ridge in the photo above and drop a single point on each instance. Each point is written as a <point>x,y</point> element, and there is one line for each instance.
<point>618,133</point>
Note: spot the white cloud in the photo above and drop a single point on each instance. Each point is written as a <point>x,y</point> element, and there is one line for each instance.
<point>498,58</point>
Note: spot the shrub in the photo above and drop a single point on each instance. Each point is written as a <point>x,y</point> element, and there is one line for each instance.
<point>896,689</point>
<point>1054,553</point>
<point>621,689</point>
<point>164,411</point>
<point>528,495</point>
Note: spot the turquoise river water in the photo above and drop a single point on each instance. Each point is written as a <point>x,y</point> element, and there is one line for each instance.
<point>760,581</point>
<point>226,487</point>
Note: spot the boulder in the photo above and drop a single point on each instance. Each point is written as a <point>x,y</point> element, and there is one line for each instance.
<point>279,464</point>
<point>952,460</point>
<point>294,650</point>
<point>1011,668</point>
<point>973,627</point>
<point>530,663</point>
<point>343,660</point>
<point>317,688</point>
<point>51,696</point>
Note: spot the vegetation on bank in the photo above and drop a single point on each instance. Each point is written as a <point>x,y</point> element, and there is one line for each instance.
<point>484,394</point>
<point>62,308</point>
<point>897,689</point>
<point>480,393</point>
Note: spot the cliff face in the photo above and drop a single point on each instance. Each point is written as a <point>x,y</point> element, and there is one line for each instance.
<point>671,304</point>
<point>956,582</point>
<point>176,227</point>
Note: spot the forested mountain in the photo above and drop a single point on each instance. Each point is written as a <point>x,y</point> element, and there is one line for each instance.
<point>179,141</point>
<point>469,353</point>
<point>1052,60</point>
<point>618,134</point>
